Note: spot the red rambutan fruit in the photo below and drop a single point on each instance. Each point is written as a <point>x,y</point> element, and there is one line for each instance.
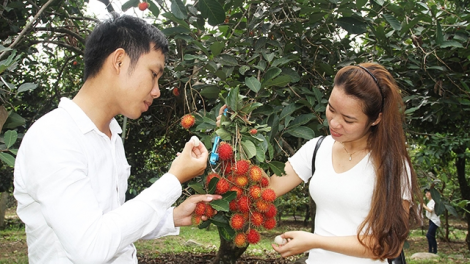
<point>270,223</point>
<point>272,211</point>
<point>200,208</point>
<point>225,151</point>
<point>222,186</point>
<point>240,181</point>
<point>244,204</point>
<point>268,195</point>
<point>264,182</point>
<point>188,121</point>
<point>237,221</point>
<point>236,189</point>
<point>256,219</point>
<point>255,173</point>
<point>254,192</point>
<point>241,167</point>
<point>210,212</point>
<point>252,236</point>
<point>262,206</point>
<point>240,240</point>
<point>196,220</point>
<point>233,205</point>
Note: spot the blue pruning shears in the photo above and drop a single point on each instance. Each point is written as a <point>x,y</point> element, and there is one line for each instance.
<point>214,157</point>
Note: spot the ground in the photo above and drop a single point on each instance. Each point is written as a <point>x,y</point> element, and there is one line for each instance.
<point>13,248</point>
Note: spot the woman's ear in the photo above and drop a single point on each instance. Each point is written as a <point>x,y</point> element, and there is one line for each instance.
<point>377,121</point>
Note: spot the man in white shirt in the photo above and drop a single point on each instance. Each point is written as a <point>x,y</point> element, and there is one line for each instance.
<point>71,171</point>
<point>434,222</point>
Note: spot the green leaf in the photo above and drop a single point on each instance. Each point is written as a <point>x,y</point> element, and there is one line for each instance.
<point>217,47</point>
<point>212,185</point>
<point>302,132</point>
<point>212,10</point>
<point>302,120</point>
<point>210,92</point>
<point>360,4</point>
<point>10,138</point>
<point>27,87</point>
<point>220,205</point>
<point>154,9</point>
<point>227,60</point>
<point>227,233</point>
<point>451,43</point>
<point>278,81</point>
<point>379,2</point>
<point>129,4</point>
<point>392,21</point>
<point>288,110</point>
<point>243,69</point>
<point>352,25</point>
<point>439,36</point>
<point>277,167</point>
<point>178,9</point>
<point>253,84</point>
<point>198,187</point>
<point>8,159</point>
<point>260,154</point>
<point>249,148</point>
<point>14,120</point>
<point>175,30</point>
<point>233,98</point>
<point>223,134</point>
<point>271,73</point>
<point>3,48</point>
<point>229,196</point>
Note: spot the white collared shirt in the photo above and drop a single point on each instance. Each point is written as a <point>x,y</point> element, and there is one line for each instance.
<point>70,182</point>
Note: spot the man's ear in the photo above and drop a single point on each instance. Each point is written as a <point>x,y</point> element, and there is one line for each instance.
<point>117,59</point>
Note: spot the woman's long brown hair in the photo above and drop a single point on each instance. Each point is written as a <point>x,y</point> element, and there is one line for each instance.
<point>388,222</point>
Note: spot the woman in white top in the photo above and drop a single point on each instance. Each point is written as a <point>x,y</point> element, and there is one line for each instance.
<point>434,222</point>
<point>363,184</point>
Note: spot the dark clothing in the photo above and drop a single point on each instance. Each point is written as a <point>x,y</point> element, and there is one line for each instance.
<point>431,236</point>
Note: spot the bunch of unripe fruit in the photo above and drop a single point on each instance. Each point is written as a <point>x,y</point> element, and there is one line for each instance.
<point>253,209</point>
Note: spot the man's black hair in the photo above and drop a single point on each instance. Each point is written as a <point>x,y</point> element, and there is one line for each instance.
<point>132,34</point>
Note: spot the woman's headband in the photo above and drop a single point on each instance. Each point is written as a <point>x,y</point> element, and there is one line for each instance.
<point>376,82</point>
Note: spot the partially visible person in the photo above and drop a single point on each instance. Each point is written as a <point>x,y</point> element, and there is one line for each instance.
<point>363,184</point>
<point>434,222</point>
<point>71,170</point>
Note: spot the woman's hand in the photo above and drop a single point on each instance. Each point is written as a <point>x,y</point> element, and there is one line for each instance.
<point>297,242</point>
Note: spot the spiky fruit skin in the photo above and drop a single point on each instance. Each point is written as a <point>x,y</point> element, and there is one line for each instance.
<point>256,219</point>
<point>240,240</point>
<point>241,167</point>
<point>227,167</point>
<point>244,204</point>
<point>268,195</point>
<point>176,91</point>
<point>210,176</point>
<point>254,192</point>
<point>262,206</point>
<point>143,6</point>
<point>188,121</point>
<point>233,205</point>
<point>225,151</point>
<point>253,131</point>
<point>264,182</point>
<point>236,189</point>
<point>222,186</point>
<point>241,181</point>
<point>210,212</point>
<point>200,208</point>
<point>272,211</point>
<point>255,173</point>
<point>196,220</point>
<point>269,223</point>
<point>253,236</point>
<point>237,221</point>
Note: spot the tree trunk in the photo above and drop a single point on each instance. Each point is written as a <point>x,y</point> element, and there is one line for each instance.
<point>228,252</point>
<point>3,207</point>
<point>464,188</point>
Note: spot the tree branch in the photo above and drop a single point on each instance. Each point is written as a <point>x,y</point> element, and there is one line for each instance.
<point>61,30</point>
<point>59,43</point>
<point>27,27</point>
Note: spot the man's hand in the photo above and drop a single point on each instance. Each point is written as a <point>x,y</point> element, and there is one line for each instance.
<point>182,213</point>
<point>191,162</point>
